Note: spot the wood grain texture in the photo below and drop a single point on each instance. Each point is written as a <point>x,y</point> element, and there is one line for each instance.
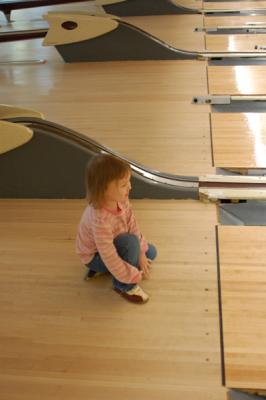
<point>242,259</point>
<point>135,108</point>
<point>239,140</point>
<point>235,5</point>
<point>28,14</point>
<point>237,80</point>
<point>242,42</point>
<point>64,337</point>
<point>234,20</point>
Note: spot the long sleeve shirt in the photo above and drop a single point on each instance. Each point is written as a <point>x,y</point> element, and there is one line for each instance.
<point>96,233</point>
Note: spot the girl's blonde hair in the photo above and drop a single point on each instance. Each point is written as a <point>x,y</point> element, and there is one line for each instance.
<point>102,170</point>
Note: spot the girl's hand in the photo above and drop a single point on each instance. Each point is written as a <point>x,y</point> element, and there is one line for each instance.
<point>145,265</point>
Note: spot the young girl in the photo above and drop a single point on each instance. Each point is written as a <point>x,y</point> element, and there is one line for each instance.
<point>108,237</point>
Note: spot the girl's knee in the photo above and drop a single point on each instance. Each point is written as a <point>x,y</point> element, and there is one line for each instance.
<point>151,253</point>
<point>127,240</point>
<point>128,248</point>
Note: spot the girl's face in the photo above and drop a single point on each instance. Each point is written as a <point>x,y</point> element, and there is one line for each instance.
<point>118,190</point>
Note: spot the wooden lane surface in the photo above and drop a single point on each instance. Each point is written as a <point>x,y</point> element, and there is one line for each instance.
<point>90,6</point>
<point>27,14</point>
<point>242,42</point>
<point>235,5</point>
<point>210,21</point>
<point>66,336</point>
<point>237,80</point>
<point>232,42</point>
<point>140,109</point>
<point>176,30</point>
<point>23,26</point>
<point>171,141</point>
<point>243,283</point>
<point>239,140</point>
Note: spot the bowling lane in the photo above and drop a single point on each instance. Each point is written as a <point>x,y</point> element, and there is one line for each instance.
<point>140,109</point>
<point>234,20</point>
<point>34,13</point>
<point>235,42</point>
<point>239,140</point>
<point>237,80</point>
<point>235,5</point>
<point>243,282</point>
<point>241,42</point>
<point>172,341</point>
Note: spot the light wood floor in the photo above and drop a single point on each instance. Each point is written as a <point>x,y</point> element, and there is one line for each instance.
<point>210,21</point>
<point>244,42</point>
<point>240,42</point>
<point>242,259</point>
<point>150,101</point>
<point>235,5</point>
<point>239,140</point>
<point>65,338</point>
<point>105,100</point>
<point>27,14</point>
<point>237,80</point>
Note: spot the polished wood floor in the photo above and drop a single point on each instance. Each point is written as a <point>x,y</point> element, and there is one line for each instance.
<point>235,5</point>
<point>237,20</point>
<point>242,259</point>
<point>37,13</point>
<point>64,338</point>
<point>237,80</point>
<point>239,140</point>
<point>241,42</point>
<point>234,42</point>
<point>150,101</point>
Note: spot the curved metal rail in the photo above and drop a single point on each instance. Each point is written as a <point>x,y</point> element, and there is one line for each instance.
<point>53,145</point>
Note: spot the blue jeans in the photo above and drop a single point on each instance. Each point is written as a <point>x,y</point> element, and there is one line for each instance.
<point>128,248</point>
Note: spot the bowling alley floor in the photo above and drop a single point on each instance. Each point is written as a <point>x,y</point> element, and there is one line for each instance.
<point>64,338</point>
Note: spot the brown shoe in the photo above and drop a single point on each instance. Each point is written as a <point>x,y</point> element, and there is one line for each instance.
<point>134,295</point>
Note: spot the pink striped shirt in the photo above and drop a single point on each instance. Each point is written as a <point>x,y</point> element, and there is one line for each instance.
<point>96,233</point>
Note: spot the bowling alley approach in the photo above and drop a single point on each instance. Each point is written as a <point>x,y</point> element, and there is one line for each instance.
<point>133,199</point>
